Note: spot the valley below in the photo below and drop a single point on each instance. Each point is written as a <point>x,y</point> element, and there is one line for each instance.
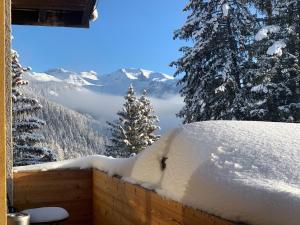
<point>76,106</point>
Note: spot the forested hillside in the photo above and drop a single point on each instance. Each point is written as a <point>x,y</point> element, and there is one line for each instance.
<point>70,133</point>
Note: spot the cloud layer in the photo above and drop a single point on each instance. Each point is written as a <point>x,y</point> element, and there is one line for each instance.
<point>104,107</point>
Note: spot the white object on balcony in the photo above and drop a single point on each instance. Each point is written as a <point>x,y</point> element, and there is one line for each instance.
<point>46,214</point>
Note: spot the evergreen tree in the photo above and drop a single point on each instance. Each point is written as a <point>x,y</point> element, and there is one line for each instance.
<point>25,125</point>
<point>273,83</point>
<point>134,130</point>
<point>149,120</point>
<point>213,67</point>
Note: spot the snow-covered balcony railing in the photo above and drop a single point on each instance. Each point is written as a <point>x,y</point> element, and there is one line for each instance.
<point>246,172</point>
<point>93,197</point>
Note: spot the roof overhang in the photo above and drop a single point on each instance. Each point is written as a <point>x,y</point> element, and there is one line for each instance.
<point>66,13</point>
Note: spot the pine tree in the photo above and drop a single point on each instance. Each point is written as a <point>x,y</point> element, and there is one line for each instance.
<point>213,67</point>
<point>149,120</point>
<point>273,83</point>
<point>25,125</point>
<point>134,129</point>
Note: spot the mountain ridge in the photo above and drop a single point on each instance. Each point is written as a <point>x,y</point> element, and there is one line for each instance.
<point>116,83</point>
<point>76,106</point>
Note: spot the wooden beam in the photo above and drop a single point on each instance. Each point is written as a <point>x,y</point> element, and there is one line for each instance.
<point>2,117</point>
<point>89,8</point>
<point>8,102</point>
<point>48,18</point>
<point>50,4</point>
<point>66,13</point>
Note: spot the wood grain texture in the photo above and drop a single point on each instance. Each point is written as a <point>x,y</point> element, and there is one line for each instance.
<point>118,203</point>
<point>70,189</point>
<point>2,114</point>
<point>94,198</point>
<point>8,101</point>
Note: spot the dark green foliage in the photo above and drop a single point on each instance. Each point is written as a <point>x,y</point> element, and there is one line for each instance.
<point>273,82</point>
<point>231,73</point>
<point>214,65</point>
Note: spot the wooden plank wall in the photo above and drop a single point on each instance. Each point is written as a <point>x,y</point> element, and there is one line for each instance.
<point>94,198</point>
<point>118,203</point>
<point>70,189</point>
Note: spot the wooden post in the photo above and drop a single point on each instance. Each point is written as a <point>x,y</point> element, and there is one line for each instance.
<point>2,118</point>
<point>8,101</point>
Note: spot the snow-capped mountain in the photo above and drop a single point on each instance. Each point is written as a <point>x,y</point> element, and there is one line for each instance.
<point>116,83</point>
<point>71,77</point>
<point>156,84</point>
<point>139,74</point>
<point>102,96</point>
<point>76,106</point>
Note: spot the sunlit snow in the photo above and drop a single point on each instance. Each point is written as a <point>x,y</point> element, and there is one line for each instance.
<point>239,170</point>
<point>276,48</point>
<point>263,32</point>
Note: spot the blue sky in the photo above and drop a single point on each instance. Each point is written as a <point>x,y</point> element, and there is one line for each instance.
<point>131,33</point>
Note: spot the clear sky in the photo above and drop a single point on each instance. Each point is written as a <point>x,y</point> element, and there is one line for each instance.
<point>128,33</point>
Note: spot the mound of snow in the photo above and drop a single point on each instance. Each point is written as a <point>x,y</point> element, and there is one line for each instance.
<point>242,171</point>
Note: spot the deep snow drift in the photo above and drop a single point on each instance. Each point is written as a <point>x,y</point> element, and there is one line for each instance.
<point>242,171</point>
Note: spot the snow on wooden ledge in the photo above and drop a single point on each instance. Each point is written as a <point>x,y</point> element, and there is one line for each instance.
<point>241,171</point>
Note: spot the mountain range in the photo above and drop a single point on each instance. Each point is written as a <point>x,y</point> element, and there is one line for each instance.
<point>76,106</point>
<point>156,84</point>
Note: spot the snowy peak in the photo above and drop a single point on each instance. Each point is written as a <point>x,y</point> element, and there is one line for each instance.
<point>43,77</point>
<point>116,83</point>
<point>139,74</point>
<point>156,84</point>
<point>59,73</point>
<point>73,77</point>
<point>92,75</point>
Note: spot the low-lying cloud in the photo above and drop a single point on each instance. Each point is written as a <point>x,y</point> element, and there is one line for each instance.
<point>104,107</point>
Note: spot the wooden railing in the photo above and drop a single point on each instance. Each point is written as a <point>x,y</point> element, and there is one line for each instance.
<point>94,198</point>
<point>70,189</point>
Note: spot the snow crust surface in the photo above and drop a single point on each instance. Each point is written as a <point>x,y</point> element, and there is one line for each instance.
<point>241,171</point>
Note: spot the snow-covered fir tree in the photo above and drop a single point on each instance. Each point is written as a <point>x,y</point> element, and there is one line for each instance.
<point>135,127</point>
<point>220,31</point>
<point>149,120</point>
<point>26,139</point>
<point>273,83</point>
